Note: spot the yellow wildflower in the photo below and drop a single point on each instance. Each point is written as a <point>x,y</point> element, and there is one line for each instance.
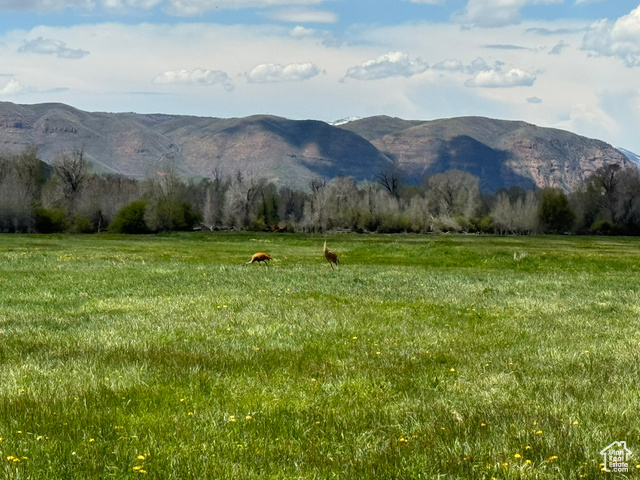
<point>140,457</point>
<point>517,455</point>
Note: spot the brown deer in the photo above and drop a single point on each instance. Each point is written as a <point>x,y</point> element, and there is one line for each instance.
<point>330,256</point>
<point>259,257</point>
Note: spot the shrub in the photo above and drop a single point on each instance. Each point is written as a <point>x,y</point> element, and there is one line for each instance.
<point>554,212</point>
<point>82,224</point>
<point>168,214</point>
<point>604,227</point>
<point>50,220</point>
<point>130,219</point>
<point>484,224</point>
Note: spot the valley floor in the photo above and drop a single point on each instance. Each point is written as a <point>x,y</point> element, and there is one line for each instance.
<point>419,357</point>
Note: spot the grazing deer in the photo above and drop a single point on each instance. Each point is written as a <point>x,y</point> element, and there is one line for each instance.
<point>259,257</point>
<point>330,256</point>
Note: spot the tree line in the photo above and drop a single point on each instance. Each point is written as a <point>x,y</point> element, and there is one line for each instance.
<point>66,197</point>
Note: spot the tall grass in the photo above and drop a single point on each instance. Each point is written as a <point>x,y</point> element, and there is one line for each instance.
<point>420,357</point>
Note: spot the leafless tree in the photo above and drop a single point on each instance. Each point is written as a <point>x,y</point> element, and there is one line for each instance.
<point>315,217</point>
<point>290,205</point>
<point>239,200</point>
<point>343,199</point>
<point>214,201</point>
<point>453,193</point>
<point>517,215</point>
<point>390,179</point>
<point>71,168</point>
<point>419,214</point>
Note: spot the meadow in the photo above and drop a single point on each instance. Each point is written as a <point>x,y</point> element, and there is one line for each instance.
<point>420,357</point>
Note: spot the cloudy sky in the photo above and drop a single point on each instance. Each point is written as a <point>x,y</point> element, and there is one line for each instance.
<point>571,64</point>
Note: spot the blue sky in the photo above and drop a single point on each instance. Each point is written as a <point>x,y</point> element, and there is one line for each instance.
<point>571,64</point>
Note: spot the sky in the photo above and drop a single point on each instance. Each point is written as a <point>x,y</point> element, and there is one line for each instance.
<point>569,64</point>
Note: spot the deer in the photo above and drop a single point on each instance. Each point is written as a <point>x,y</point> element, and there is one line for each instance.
<point>330,256</point>
<point>259,257</point>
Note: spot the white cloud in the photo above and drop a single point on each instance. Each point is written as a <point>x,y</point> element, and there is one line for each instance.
<point>325,36</point>
<point>12,87</point>
<point>187,8</point>
<point>125,57</point>
<point>451,65</point>
<point>495,13</point>
<point>428,2</point>
<point>42,5</point>
<point>620,39</point>
<point>303,16</point>
<point>476,66</point>
<point>557,50</point>
<point>128,4</point>
<point>497,79</point>
<point>48,46</point>
<point>175,7</point>
<point>302,32</point>
<point>271,72</point>
<point>393,64</point>
<point>195,77</point>
<point>479,65</point>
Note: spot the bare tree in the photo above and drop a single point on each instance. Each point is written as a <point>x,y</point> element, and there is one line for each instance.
<point>516,215</point>
<point>315,208</point>
<point>30,171</point>
<point>290,206</point>
<point>316,184</point>
<point>214,201</point>
<point>453,193</point>
<point>343,198</point>
<point>239,200</point>
<point>21,178</point>
<point>71,168</point>
<point>419,214</point>
<point>390,179</point>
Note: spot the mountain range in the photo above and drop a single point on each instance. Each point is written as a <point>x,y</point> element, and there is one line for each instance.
<point>292,152</point>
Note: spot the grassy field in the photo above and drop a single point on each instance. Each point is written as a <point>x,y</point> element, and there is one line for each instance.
<point>420,357</point>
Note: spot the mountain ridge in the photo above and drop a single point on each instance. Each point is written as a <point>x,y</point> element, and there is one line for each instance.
<point>501,153</point>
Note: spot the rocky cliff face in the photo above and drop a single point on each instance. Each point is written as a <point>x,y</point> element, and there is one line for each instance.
<point>501,153</point>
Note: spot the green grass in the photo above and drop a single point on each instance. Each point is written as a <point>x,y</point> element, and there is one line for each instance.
<point>420,357</point>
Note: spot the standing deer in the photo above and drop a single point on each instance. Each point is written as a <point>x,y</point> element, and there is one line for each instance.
<point>330,256</point>
<point>259,257</point>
